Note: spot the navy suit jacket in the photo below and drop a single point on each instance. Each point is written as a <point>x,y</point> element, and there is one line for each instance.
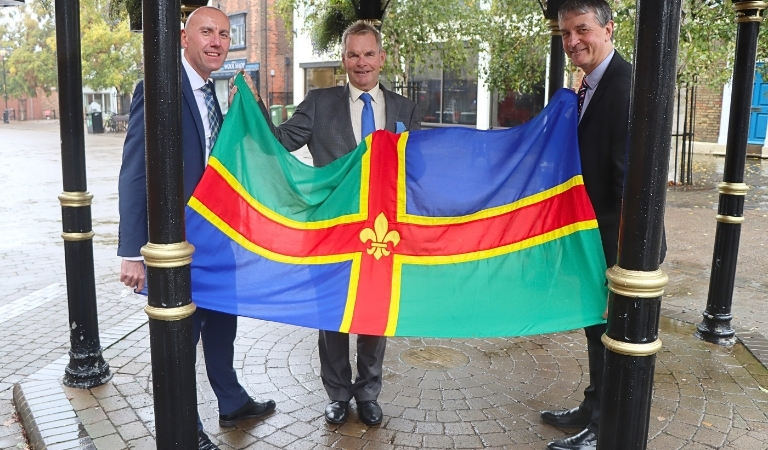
<point>132,189</point>
<point>603,148</point>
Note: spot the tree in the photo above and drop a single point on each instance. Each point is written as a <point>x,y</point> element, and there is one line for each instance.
<point>516,36</point>
<point>29,33</point>
<point>111,55</point>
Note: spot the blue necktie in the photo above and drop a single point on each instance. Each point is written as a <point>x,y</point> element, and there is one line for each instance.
<point>367,122</point>
<point>213,119</point>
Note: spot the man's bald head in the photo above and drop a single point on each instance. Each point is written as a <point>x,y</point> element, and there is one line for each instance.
<point>205,39</point>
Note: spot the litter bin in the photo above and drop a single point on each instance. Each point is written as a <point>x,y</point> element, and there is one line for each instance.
<point>289,110</point>
<point>5,116</point>
<point>276,113</point>
<point>98,123</point>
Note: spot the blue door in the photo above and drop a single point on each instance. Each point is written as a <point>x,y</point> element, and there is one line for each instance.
<point>758,117</point>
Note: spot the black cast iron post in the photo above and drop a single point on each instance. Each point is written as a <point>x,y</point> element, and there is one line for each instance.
<point>86,368</point>
<point>167,255</point>
<point>716,324</point>
<point>636,284</point>
<point>556,51</point>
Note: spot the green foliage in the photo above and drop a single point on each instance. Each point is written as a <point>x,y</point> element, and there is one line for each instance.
<point>421,34</point>
<point>111,55</point>
<point>518,44</point>
<point>29,33</point>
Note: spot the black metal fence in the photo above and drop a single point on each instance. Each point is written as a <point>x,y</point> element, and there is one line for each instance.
<point>682,138</point>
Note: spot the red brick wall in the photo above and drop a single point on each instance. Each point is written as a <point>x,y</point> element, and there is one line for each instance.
<point>263,25</point>
<point>33,108</point>
<point>709,105</point>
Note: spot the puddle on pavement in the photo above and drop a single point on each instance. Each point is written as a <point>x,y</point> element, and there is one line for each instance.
<point>738,350</point>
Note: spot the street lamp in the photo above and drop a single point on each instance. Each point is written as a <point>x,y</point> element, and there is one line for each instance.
<point>3,53</point>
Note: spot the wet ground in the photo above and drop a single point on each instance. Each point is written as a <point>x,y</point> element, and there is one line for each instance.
<point>482,393</point>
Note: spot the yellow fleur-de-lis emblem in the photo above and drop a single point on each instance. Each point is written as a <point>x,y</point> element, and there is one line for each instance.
<point>379,237</point>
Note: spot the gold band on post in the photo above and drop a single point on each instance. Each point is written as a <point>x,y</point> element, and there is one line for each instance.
<point>77,236</point>
<point>167,255</point>
<point>756,6</point>
<point>729,219</point>
<point>635,283</point>
<point>75,199</point>
<point>732,188</point>
<point>169,314</point>
<point>554,28</point>
<point>630,349</point>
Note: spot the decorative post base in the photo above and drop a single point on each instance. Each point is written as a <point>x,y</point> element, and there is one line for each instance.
<point>86,370</point>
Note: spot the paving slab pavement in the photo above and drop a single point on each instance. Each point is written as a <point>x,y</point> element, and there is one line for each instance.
<point>486,393</point>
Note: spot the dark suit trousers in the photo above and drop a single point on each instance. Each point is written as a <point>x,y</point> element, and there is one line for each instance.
<point>336,371</point>
<point>218,332</point>
<point>596,354</point>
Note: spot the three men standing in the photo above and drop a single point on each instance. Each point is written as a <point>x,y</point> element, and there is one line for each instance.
<point>205,40</point>
<point>587,30</point>
<point>332,122</point>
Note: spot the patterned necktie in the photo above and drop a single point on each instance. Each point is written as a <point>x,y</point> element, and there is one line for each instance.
<point>368,124</point>
<point>213,118</point>
<point>582,93</point>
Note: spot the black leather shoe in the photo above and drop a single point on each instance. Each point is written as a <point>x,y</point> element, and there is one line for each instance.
<point>336,412</point>
<point>369,412</point>
<point>203,443</point>
<point>251,409</point>
<point>584,440</point>
<point>569,418</point>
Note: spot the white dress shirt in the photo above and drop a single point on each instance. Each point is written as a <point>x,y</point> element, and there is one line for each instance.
<point>356,109</point>
<point>593,79</point>
<point>196,81</point>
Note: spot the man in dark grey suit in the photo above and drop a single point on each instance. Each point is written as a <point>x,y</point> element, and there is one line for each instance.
<point>332,122</point>
<point>587,29</point>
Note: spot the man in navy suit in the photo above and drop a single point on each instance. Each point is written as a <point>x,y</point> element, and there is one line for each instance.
<point>205,40</point>
<point>587,29</point>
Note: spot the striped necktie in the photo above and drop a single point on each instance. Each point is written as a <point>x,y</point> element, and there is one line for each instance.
<point>582,93</point>
<point>368,125</point>
<point>213,118</point>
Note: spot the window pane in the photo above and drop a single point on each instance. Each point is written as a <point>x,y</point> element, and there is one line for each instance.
<point>237,31</point>
<point>460,104</point>
<point>320,77</point>
<point>517,108</point>
<point>428,94</point>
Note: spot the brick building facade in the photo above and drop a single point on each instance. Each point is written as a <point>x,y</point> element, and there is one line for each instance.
<point>34,108</point>
<point>709,105</point>
<point>259,38</point>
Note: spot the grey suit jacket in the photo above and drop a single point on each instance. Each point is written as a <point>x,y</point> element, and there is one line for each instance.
<point>322,122</point>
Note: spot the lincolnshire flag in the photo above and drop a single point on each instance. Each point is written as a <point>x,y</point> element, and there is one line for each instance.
<point>447,232</point>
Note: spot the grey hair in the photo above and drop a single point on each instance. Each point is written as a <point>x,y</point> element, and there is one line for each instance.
<point>360,27</point>
<point>601,8</point>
